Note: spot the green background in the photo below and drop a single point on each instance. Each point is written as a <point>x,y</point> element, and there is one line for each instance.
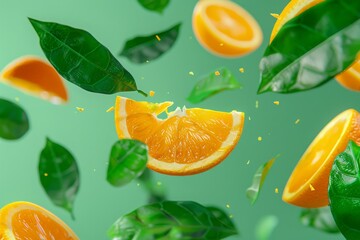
<point>90,134</point>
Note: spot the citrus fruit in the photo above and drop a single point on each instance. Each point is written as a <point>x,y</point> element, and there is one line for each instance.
<point>36,77</point>
<point>188,141</point>
<point>308,184</point>
<point>224,28</point>
<point>350,78</point>
<point>24,220</point>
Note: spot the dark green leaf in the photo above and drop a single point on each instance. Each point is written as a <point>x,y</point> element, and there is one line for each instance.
<point>265,227</point>
<point>156,191</point>
<point>253,191</point>
<point>221,216</point>
<point>312,48</point>
<point>344,191</point>
<point>212,84</point>
<point>128,160</point>
<point>154,5</point>
<point>59,175</point>
<point>147,48</point>
<point>82,60</point>
<point>14,122</point>
<point>319,218</point>
<point>171,221</point>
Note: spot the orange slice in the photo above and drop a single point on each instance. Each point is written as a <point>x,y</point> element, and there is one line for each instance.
<point>225,29</point>
<point>24,220</point>
<point>36,77</point>
<point>350,78</point>
<point>308,184</point>
<point>188,141</point>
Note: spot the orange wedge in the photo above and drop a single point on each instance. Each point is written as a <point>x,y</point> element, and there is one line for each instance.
<point>308,184</point>
<point>350,78</point>
<point>188,141</point>
<point>24,220</point>
<point>225,29</point>
<point>36,77</point>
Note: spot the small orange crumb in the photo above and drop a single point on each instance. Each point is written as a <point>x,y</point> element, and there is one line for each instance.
<point>311,187</point>
<point>191,73</point>
<point>297,121</point>
<point>151,93</point>
<point>241,70</point>
<point>259,139</point>
<point>217,73</point>
<point>276,190</point>
<point>158,38</point>
<point>80,109</point>
<point>221,44</point>
<point>46,174</point>
<point>257,104</point>
<point>110,109</point>
<point>275,15</point>
<point>227,205</point>
<point>276,102</point>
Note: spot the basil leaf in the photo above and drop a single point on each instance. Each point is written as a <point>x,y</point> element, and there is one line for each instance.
<point>156,191</point>
<point>146,48</point>
<point>82,60</point>
<point>171,220</point>
<point>154,5</point>
<point>14,122</point>
<point>212,84</point>
<point>128,160</point>
<point>59,175</point>
<point>319,218</point>
<point>312,48</point>
<point>253,191</point>
<point>344,191</point>
<point>265,227</point>
<point>221,216</point>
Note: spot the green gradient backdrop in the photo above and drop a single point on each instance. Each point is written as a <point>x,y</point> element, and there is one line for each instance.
<point>90,134</point>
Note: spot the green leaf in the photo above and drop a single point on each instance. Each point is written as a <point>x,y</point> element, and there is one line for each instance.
<point>344,191</point>
<point>14,122</point>
<point>146,48</point>
<point>312,48</point>
<point>156,191</point>
<point>252,193</point>
<point>128,161</point>
<point>221,216</point>
<point>319,218</point>
<point>154,5</point>
<point>172,220</point>
<point>82,60</point>
<point>59,175</point>
<point>265,227</point>
<point>212,84</point>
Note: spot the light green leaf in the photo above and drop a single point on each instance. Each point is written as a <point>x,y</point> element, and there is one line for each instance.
<point>319,218</point>
<point>265,227</point>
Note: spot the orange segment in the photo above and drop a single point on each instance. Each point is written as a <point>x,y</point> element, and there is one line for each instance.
<point>188,141</point>
<point>37,77</point>
<point>308,184</point>
<point>350,78</point>
<point>224,28</point>
<point>24,220</point>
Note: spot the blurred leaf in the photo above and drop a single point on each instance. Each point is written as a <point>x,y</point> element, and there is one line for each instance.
<point>157,192</point>
<point>147,48</point>
<point>171,220</point>
<point>14,122</point>
<point>319,218</point>
<point>59,175</point>
<point>221,216</point>
<point>214,83</point>
<point>82,60</point>
<point>265,227</point>
<point>128,159</point>
<point>312,48</point>
<point>154,5</point>
<point>344,191</point>
<point>253,191</point>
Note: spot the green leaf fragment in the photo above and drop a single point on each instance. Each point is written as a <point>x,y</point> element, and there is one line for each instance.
<point>14,122</point>
<point>344,191</point>
<point>319,218</point>
<point>212,84</point>
<point>59,175</point>
<point>312,48</point>
<point>252,193</point>
<point>146,48</point>
<point>81,59</point>
<point>265,227</point>
<point>128,159</point>
<point>154,5</point>
<point>172,220</point>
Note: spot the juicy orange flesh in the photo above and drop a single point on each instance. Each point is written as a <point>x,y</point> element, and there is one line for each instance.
<point>229,23</point>
<point>33,224</point>
<point>33,75</point>
<point>191,133</point>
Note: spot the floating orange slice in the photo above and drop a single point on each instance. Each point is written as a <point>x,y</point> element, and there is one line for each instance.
<point>36,77</point>
<point>24,220</point>
<point>188,141</point>
<point>224,28</point>
<point>308,184</point>
<point>350,78</point>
